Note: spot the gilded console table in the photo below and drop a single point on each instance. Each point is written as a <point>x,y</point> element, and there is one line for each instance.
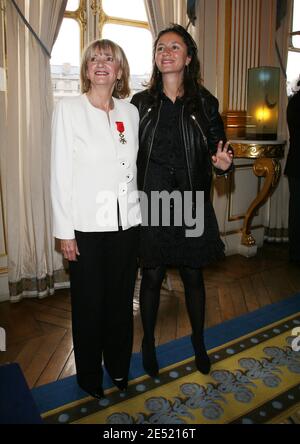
<point>267,155</point>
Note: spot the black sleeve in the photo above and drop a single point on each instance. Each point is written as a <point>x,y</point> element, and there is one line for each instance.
<point>134,100</point>
<point>137,101</point>
<point>216,131</point>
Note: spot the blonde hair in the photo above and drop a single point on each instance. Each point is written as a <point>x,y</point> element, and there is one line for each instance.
<point>121,89</point>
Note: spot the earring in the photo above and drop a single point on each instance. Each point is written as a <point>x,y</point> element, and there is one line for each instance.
<point>119,85</point>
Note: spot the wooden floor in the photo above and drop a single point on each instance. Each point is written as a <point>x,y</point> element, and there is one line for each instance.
<point>39,331</point>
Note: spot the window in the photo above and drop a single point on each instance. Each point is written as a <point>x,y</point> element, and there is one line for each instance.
<point>73,5</point>
<point>293,65</point>
<point>124,22</point>
<point>131,9</point>
<point>65,60</point>
<point>65,57</point>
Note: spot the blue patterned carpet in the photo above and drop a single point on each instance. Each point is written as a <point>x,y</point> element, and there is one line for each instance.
<point>255,378</point>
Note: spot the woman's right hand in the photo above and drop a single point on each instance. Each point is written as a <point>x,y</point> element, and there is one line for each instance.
<point>69,249</point>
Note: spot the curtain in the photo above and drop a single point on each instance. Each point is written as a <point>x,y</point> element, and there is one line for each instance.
<point>276,214</point>
<point>161,13</point>
<point>35,269</point>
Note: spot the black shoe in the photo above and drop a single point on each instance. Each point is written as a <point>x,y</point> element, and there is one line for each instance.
<point>202,360</point>
<point>150,363</point>
<point>122,384</point>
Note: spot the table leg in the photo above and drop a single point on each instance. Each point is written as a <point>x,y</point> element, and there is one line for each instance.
<point>270,169</point>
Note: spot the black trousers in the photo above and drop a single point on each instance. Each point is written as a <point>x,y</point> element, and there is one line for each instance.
<point>294,219</point>
<point>102,287</point>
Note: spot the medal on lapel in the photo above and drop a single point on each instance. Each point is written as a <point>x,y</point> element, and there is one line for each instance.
<point>121,129</point>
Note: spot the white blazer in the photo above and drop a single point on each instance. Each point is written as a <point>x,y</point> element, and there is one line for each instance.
<point>91,170</point>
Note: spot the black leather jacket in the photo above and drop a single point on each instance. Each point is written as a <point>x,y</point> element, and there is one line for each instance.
<point>201,129</point>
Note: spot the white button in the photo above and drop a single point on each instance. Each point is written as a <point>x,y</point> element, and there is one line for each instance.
<point>129,177</point>
<point>122,189</point>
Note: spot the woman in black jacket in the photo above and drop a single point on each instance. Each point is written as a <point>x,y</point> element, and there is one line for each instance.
<point>292,171</point>
<point>181,138</point>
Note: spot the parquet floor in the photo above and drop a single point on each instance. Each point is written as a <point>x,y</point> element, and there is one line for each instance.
<point>39,331</point>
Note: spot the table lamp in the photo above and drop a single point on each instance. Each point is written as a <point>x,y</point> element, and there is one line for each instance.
<point>262,103</point>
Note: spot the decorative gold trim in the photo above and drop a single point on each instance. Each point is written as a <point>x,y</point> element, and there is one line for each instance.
<point>266,165</point>
<point>102,19</point>
<point>256,150</point>
<point>95,8</point>
<point>128,22</point>
<point>80,15</point>
<point>231,218</point>
<point>3,270</point>
<point>270,169</point>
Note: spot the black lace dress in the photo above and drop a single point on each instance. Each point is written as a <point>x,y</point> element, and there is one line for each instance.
<point>169,245</point>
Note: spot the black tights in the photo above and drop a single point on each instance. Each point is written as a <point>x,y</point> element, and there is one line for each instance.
<point>194,297</point>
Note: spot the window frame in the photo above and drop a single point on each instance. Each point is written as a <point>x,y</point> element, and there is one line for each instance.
<point>291,46</point>
<point>91,18</point>
<point>80,16</point>
<point>96,6</point>
<point>291,50</point>
<point>105,19</point>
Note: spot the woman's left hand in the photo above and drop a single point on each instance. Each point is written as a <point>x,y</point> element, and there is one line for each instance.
<point>223,157</point>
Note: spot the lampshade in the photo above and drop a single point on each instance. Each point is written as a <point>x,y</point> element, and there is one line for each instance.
<point>262,103</point>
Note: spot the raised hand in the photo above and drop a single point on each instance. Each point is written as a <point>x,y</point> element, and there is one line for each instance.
<point>223,157</point>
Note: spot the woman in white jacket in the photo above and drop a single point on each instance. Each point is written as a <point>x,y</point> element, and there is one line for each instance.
<point>96,212</point>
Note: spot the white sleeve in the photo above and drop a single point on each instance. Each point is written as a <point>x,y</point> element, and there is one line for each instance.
<point>62,172</point>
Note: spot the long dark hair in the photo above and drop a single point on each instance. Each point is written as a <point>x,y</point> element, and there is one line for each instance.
<point>192,76</point>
